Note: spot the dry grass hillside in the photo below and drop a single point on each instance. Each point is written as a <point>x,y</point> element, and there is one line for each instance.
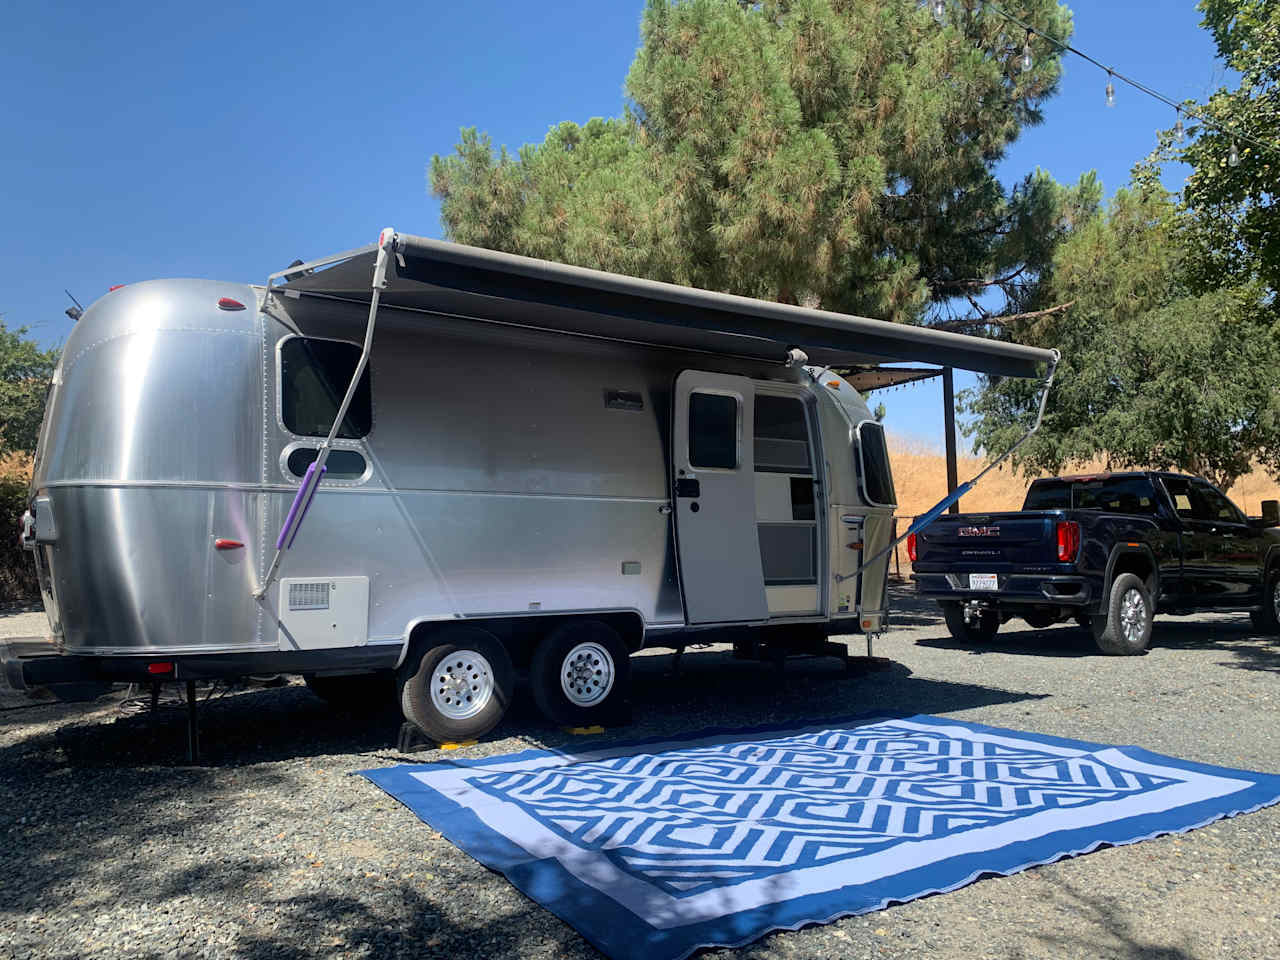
<point>920,475</point>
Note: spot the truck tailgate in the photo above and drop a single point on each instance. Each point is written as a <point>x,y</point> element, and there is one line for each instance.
<point>990,542</point>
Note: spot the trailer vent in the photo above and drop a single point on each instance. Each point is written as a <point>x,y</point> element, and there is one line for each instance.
<point>313,595</point>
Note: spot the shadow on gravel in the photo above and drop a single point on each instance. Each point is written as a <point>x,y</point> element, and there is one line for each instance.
<point>1064,641</point>
<point>1250,649</point>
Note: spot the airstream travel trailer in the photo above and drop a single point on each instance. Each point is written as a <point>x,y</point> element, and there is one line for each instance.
<point>447,462</point>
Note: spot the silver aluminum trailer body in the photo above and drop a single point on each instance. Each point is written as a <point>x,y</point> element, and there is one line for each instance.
<point>531,447</point>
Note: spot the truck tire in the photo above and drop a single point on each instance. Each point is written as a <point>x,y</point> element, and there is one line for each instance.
<point>363,692</point>
<point>984,631</point>
<point>1125,629</point>
<point>581,674</point>
<point>1267,620</point>
<point>457,684</point>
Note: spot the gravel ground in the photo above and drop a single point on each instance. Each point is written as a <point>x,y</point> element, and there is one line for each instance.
<point>111,847</point>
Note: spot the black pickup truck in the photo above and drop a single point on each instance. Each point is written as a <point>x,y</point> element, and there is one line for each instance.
<point>1108,551</point>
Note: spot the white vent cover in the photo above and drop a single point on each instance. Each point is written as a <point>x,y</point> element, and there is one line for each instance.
<point>309,595</point>
<point>315,613</point>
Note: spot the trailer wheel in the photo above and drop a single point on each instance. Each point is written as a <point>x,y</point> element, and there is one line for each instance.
<point>984,631</point>
<point>356,692</point>
<point>1267,620</point>
<point>580,673</point>
<point>1125,629</point>
<point>457,684</point>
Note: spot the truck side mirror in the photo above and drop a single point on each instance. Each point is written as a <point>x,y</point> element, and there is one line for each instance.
<point>1271,513</point>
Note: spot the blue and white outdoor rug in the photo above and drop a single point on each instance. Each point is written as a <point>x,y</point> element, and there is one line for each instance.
<point>654,849</point>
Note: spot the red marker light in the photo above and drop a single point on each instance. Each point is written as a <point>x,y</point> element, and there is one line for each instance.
<point>116,287</point>
<point>159,669</point>
<point>911,547</point>
<point>222,543</point>
<point>226,303</point>
<point>1068,540</point>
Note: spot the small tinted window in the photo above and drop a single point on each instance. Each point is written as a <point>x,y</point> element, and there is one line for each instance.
<point>877,478</point>
<point>1214,505</point>
<point>1179,490</point>
<point>713,431</point>
<point>1048,495</point>
<point>781,435</point>
<point>339,465</point>
<point>1115,495</point>
<point>314,375</point>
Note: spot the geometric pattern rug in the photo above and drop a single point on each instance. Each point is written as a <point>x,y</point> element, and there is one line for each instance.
<point>654,849</point>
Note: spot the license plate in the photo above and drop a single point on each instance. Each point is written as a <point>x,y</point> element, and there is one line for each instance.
<point>983,581</point>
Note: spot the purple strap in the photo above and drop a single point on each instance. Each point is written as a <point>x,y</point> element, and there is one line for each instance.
<point>301,503</point>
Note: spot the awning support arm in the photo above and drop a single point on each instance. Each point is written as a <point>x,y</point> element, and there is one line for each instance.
<point>315,472</point>
<point>934,512</point>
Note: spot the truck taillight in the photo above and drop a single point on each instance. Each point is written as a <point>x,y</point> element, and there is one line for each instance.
<point>911,547</point>
<point>1068,540</point>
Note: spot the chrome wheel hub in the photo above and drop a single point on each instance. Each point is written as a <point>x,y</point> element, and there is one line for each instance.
<point>1133,616</point>
<point>1275,601</point>
<point>586,674</point>
<point>461,685</point>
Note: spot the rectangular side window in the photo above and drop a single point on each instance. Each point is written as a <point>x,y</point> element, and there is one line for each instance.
<point>781,435</point>
<point>877,478</point>
<point>713,431</point>
<point>1133,495</point>
<point>314,375</point>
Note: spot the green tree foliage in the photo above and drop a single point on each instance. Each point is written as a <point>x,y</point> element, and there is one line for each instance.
<point>1233,209</point>
<point>25,373</point>
<point>1154,372</point>
<point>838,152</point>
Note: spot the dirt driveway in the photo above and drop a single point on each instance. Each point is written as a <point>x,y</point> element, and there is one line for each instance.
<point>111,847</point>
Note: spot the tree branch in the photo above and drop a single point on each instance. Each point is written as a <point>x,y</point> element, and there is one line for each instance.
<point>957,326</point>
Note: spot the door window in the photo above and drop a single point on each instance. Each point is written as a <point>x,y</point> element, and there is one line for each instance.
<point>713,431</point>
<point>782,438</point>
<point>1179,490</point>
<point>1214,505</point>
<point>877,478</point>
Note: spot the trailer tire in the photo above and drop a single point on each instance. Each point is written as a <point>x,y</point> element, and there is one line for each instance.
<point>456,684</point>
<point>1125,629</point>
<point>1267,620</point>
<point>581,674</point>
<point>984,632</point>
<point>362,692</point>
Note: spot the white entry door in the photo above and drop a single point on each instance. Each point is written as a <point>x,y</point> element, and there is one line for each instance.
<point>715,499</point>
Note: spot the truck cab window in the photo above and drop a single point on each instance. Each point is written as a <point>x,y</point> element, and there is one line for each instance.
<point>314,375</point>
<point>1214,505</point>
<point>1179,490</point>
<point>713,431</point>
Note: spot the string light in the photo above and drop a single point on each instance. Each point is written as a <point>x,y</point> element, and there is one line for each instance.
<point>939,9</point>
<point>1195,113</point>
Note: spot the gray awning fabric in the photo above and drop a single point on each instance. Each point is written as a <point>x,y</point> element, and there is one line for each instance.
<point>450,278</point>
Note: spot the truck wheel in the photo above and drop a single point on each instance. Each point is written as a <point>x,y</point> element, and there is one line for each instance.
<point>1267,620</point>
<point>984,631</point>
<point>1125,629</point>
<point>580,673</point>
<point>456,685</point>
<point>360,691</point>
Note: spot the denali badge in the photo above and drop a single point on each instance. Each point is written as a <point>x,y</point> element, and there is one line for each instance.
<point>979,531</point>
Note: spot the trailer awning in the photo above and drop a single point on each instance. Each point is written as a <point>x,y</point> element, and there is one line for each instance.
<point>435,276</point>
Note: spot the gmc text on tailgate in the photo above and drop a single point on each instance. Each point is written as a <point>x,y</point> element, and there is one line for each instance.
<point>1108,551</point>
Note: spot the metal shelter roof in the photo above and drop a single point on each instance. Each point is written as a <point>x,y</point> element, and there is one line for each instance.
<point>436,276</point>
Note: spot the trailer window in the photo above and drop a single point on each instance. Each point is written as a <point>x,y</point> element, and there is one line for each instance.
<point>781,435</point>
<point>340,464</point>
<point>877,478</point>
<point>314,375</point>
<point>713,431</point>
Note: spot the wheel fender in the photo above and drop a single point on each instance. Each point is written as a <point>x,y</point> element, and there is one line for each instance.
<point>1120,551</point>
<point>1270,561</point>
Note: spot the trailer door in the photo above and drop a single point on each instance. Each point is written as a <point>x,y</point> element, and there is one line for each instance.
<point>715,498</point>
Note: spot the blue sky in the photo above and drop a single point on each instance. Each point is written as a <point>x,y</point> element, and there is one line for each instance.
<point>224,140</point>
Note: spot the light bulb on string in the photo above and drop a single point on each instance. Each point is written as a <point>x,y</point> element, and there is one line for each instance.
<point>1233,158</point>
<point>939,8</point>
<point>1027,61</point>
<point>1111,91</point>
<point>1178,132</point>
